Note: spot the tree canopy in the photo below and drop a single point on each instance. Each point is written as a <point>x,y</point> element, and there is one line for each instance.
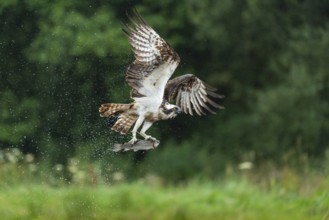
<point>59,60</point>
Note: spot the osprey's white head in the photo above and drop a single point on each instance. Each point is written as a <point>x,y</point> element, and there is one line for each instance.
<point>169,111</point>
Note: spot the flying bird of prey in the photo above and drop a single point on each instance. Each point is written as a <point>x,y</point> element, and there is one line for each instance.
<point>152,91</point>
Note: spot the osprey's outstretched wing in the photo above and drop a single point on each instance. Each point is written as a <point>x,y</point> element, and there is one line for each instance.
<point>192,95</point>
<point>155,61</point>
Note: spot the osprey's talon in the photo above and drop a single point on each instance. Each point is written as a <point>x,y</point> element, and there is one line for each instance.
<point>133,141</point>
<point>148,137</point>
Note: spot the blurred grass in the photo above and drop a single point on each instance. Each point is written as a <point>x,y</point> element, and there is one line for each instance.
<point>223,200</point>
<point>29,190</point>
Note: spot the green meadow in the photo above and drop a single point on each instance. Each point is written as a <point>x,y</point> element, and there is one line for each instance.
<point>139,200</point>
<point>79,190</point>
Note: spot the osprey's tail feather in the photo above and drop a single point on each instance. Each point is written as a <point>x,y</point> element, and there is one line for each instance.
<point>125,117</point>
<point>124,122</point>
<point>108,109</point>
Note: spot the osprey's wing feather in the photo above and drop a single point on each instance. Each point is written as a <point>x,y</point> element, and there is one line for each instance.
<point>192,95</point>
<point>155,61</point>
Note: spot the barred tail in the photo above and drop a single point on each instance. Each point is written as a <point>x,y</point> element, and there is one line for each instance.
<point>124,123</point>
<point>108,109</point>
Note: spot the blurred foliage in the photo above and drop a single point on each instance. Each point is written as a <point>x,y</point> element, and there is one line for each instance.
<point>60,59</point>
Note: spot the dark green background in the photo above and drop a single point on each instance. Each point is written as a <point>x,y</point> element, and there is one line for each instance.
<point>59,60</point>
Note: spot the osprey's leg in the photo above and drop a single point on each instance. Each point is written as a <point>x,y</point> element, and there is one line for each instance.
<point>138,123</point>
<point>146,126</point>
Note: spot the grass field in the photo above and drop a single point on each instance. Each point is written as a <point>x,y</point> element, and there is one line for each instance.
<point>224,200</point>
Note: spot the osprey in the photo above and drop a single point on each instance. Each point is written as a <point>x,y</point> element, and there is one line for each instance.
<point>152,91</point>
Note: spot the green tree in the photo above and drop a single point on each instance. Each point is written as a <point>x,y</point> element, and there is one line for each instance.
<point>61,59</point>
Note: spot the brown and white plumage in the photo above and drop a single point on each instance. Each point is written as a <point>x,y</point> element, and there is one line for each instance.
<point>148,75</point>
<point>192,95</point>
<point>155,60</point>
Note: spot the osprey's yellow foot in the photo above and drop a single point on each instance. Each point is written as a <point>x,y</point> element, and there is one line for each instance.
<point>133,141</point>
<point>149,137</point>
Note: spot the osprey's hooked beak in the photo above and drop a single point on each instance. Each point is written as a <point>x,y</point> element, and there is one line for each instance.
<point>178,110</point>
